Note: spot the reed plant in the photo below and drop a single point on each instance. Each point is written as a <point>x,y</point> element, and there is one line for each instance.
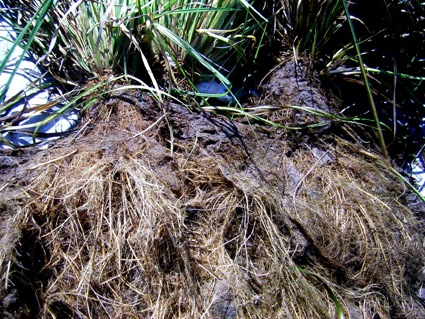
<point>309,25</point>
<point>95,36</point>
<point>389,66</point>
<point>91,42</point>
<point>392,42</point>
<point>87,42</point>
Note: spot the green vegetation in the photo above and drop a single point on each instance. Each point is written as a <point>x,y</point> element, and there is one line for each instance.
<point>81,39</point>
<point>309,24</point>
<point>391,39</point>
<point>88,42</point>
<point>366,82</point>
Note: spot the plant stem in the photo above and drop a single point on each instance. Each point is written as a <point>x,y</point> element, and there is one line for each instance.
<point>366,82</point>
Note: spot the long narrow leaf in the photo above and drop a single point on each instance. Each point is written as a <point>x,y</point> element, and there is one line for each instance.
<point>366,81</point>
<point>190,50</point>
<point>39,16</point>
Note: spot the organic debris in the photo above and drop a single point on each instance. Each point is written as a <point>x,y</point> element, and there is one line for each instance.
<point>187,214</point>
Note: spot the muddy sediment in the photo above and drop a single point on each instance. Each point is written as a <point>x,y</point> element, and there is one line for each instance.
<point>189,214</point>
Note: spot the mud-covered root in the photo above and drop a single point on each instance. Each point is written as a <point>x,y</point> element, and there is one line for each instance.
<point>227,227</point>
<point>122,243</point>
<point>351,210</point>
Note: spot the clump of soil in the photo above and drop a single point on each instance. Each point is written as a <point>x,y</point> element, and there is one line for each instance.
<point>190,214</point>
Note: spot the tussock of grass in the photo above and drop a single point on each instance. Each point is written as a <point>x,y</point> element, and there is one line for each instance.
<point>212,232</point>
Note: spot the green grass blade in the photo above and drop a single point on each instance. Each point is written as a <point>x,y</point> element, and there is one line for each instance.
<point>328,289</point>
<point>39,17</point>
<point>366,82</point>
<point>191,51</point>
<point>404,180</point>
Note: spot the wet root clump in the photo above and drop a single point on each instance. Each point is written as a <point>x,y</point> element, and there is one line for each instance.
<point>227,224</point>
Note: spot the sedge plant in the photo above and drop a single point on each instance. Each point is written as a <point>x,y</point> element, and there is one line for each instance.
<point>91,42</point>
<point>391,37</point>
<point>366,82</point>
<point>310,25</point>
